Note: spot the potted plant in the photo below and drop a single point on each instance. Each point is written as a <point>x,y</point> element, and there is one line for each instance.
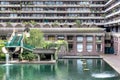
<point>78,23</point>
<point>55,24</point>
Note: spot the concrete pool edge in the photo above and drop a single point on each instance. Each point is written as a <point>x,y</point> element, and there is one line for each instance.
<point>80,57</point>
<point>113,61</point>
<point>30,62</point>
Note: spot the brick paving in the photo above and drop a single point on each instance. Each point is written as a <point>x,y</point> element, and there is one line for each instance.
<point>113,61</point>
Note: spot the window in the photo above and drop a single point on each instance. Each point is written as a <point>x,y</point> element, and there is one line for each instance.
<point>79,38</point>
<point>60,37</point>
<point>51,37</point>
<point>70,47</point>
<point>70,37</point>
<point>98,47</point>
<point>13,15</point>
<point>89,47</point>
<point>89,38</point>
<point>79,47</point>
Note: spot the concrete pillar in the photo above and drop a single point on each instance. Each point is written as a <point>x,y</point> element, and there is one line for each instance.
<point>118,45</point>
<point>74,45</point>
<point>103,44</point>
<point>55,37</point>
<point>11,56</point>
<point>94,44</point>
<point>51,57</point>
<point>65,37</point>
<point>38,57</point>
<point>84,44</point>
<point>46,37</point>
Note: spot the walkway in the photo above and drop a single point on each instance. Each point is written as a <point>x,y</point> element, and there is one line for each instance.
<point>113,61</point>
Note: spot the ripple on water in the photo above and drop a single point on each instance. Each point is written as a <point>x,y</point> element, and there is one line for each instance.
<point>7,64</point>
<point>103,75</point>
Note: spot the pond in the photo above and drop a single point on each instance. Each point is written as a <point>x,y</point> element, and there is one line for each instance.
<point>64,69</point>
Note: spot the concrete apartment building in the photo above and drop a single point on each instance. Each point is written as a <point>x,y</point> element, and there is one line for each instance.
<point>91,27</point>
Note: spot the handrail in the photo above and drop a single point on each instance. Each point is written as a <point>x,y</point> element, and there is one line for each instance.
<point>18,41</point>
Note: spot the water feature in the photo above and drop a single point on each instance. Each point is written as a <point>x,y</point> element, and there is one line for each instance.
<point>64,69</point>
<point>7,58</point>
<point>104,75</point>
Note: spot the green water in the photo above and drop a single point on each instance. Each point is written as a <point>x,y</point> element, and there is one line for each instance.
<point>69,69</point>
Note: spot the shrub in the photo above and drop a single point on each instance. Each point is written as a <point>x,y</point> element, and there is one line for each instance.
<point>27,55</point>
<point>2,56</point>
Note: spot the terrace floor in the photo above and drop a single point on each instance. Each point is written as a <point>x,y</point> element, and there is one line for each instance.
<point>113,61</point>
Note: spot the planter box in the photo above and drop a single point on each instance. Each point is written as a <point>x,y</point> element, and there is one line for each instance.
<point>44,51</point>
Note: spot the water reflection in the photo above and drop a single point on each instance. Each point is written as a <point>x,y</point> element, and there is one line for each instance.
<point>63,70</point>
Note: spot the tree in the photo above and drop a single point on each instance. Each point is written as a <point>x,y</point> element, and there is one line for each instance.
<point>2,55</point>
<point>36,38</point>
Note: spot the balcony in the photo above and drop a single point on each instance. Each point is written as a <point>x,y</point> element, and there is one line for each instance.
<point>113,14</point>
<point>51,17</point>
<point>112,22</point>
<point>109,1</point>
<point>114,5</point>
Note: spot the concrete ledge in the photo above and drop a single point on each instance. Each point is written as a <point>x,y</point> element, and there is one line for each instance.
<point>30,62</point>
<point>79,57</point>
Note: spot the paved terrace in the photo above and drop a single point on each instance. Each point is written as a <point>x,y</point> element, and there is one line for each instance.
<point>113,61</point>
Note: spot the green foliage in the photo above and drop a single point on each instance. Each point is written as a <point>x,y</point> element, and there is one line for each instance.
<point>2,56</point>
<point>26,23</point>
<point>78,23</point>
<point>27,55</point>
<point>56,44</point>
<point>56,23</point>
<point>2,72</point>
<point>33,22</point>
<point>30,22</point>
<point>49,44</point>
<point>36,38</point>
<point>8,23</point>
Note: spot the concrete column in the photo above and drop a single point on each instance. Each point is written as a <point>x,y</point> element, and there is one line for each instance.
<point>94,44</point>
<point>74,45</point>
<point>65,37</point>
<point>84,44</point>
<point>46,37</point>
<point>103,44</point>
<point>38,57</point>
<point>118,45</point>
<point>11,56</point>
<point>51,57</point>
<point>55,37</point>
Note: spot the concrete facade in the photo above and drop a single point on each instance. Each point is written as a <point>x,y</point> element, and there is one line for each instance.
<point>116,43</point>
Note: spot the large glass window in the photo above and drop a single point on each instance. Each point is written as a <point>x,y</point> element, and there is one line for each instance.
<point>89,47</point>
<point>98,47</point>
<point>89,38</point>
<point>60,37</point>
<point>4,3</point>
<point>13,15</point>
<point>79,47</point>
<point>70,37</point>
<point>51,37</point>
<point>80,38</point>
